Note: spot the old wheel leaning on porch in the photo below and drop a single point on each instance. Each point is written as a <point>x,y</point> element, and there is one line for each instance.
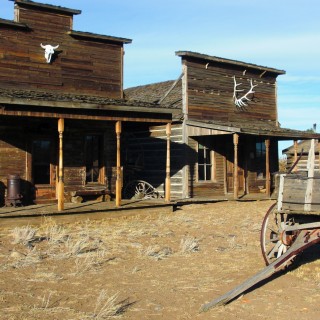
<point>139,189</point>
<point>274,240</point>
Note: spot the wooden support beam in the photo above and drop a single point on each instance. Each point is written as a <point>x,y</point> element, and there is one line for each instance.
<point>268,181</point>
<point>295,144</point>
<point>235,167</point>
<point>118,181</point>
<point>168,184</point>
<point>309,191</point>
<point>60,175</point>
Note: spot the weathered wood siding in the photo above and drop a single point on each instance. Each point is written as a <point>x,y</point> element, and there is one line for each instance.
<point>222,150</point>
<point>151,143</point>
<point>210,92</point>
<point>83,66</point>
<point>206,188</point>
<point>252,166</point>
<point>16,157</point>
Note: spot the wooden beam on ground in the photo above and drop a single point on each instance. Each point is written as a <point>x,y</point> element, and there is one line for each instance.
<point>60,176</point>
<point>304,240</point>
<point>118,181</point>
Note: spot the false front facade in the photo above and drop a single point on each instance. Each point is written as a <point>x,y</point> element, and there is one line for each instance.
<point>226,126</point>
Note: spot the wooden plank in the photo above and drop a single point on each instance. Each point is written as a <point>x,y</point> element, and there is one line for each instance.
<point>309,188</point>
<point>303,241</point>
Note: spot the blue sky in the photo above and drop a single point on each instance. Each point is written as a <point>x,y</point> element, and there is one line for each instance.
<point>283,34</point>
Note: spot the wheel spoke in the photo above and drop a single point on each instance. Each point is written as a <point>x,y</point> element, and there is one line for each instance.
<point>274,249</point>
<point>272,233</point>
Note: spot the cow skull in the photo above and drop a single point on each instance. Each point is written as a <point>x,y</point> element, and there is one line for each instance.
<point>48,51</point>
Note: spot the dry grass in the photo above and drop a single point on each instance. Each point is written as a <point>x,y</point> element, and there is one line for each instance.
<point>169,264</point>
<point>109,307</point>
<point>189,245</point>
<point>24,235</point>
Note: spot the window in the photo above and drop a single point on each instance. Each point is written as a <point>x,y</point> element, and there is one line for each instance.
<point>204,163</point>
<point>93,153</point>
<point>41,153</point>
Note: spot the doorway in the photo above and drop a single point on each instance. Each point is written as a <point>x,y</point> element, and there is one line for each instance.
<point>43,169</point>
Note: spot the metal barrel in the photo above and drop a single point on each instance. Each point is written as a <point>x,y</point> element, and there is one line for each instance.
<point>13,187</point>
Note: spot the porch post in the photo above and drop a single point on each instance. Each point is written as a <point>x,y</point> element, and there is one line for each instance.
<point>235,166</point>
<point>60,176</point>
<point>268,187</point>
<point>168,185</point>
<point>118,181</point>
<point>295,145</point>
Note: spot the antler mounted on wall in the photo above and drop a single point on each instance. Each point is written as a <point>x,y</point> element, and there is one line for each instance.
<point>242,101</point>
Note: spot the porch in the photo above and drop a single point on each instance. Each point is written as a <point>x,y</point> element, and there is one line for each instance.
<point>96,210</point>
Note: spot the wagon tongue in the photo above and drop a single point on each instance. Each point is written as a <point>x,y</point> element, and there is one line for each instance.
<point>305,239</point>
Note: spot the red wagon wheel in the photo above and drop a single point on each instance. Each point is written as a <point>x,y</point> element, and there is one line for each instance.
<point>274,240</point>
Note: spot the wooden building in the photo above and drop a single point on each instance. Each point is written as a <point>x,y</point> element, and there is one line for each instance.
<point>63,118</point>
<point>300,151</point>
<point>225,128</point>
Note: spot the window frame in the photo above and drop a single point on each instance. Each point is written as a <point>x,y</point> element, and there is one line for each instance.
<point>205,164</point>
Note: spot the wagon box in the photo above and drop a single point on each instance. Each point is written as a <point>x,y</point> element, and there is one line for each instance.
<point>297,192</point>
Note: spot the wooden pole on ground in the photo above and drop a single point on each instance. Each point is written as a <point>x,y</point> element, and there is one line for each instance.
<point>60,176</point>
<point>235,166</point>
<point>168,184</point>
<point>118,181</point>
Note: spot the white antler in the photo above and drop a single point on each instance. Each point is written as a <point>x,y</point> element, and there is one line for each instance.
<point>241,102</point>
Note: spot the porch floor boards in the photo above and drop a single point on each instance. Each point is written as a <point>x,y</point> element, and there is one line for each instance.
<point>35,214</point>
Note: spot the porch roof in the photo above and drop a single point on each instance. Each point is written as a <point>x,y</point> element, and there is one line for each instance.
<point>36,101</point>
<point>256,127</point>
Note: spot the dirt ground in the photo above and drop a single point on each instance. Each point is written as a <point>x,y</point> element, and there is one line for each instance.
<point>159,266</point>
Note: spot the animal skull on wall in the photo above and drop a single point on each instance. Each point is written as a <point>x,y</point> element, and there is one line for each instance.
<point>48,51</point>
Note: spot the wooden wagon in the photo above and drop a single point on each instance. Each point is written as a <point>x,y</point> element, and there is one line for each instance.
<point>290,226</point>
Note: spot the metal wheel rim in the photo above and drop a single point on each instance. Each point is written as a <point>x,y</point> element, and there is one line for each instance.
<point>272,246</point>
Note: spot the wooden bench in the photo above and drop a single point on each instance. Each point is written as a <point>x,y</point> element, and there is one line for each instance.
<point>79,194</point>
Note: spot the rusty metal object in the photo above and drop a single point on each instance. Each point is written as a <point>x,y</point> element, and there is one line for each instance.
<point>14,196</point>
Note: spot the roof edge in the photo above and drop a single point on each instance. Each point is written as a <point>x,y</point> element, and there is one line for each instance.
<point>47,6</point>
<point>11,23</point>
<point>209,58</point>
<point>95,36</point>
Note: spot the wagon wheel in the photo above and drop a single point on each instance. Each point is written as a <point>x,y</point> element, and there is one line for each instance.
<point>139,189</point>
<point>274,240</point>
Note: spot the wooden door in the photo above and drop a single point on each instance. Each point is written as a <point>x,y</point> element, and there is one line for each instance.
<point>230,180</point>
<point>43,170</point>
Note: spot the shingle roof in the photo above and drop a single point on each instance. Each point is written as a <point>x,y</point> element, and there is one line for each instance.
<point>153,93</point>
<point>53,99</point>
